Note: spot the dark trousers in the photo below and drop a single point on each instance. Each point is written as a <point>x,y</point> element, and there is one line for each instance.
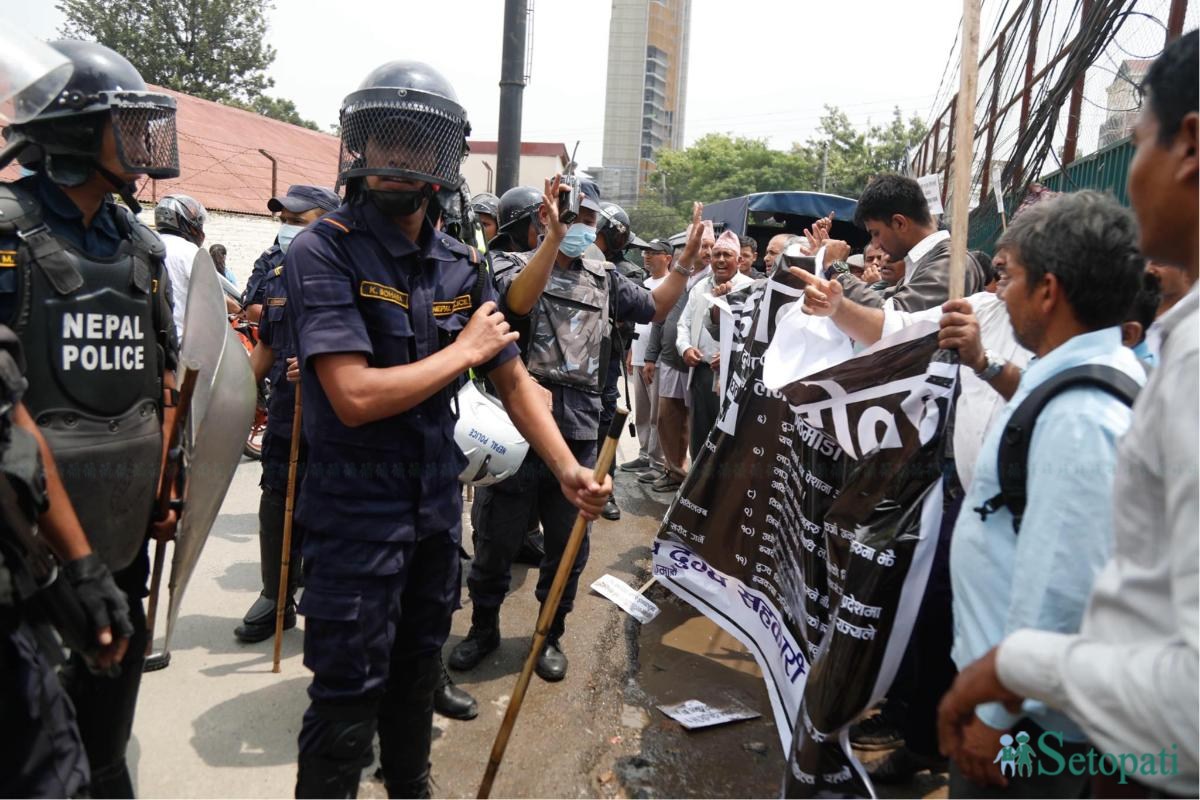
<point>1033,785</point>
<point>376,617</point>
<point>705,405</point>
<point>608,403</point>
<point>41,753</point>
<point>501,516</point>
<point>272,508</point>
<point>105,705</point>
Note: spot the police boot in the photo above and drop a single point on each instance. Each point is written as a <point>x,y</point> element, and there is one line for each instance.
<point>334,751</point>
<point>111,781</point>
<point>259,622</point>
<point>483,638</point>
<point>406,727</point>
<point>552,661</point>
<point>451,701</point>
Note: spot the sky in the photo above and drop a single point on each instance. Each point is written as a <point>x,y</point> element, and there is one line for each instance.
<point>760,68</point>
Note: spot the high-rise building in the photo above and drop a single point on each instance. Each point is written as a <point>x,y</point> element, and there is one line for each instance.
<point>1124,101</point>
<point>646,93</point>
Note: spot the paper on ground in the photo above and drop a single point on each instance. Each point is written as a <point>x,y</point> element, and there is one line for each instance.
<point>693,714</point>
<point>626,597</point>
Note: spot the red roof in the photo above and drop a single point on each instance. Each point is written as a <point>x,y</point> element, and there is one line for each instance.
<point>220,163</point>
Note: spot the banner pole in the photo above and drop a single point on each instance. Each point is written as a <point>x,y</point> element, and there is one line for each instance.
<point>964,139</point>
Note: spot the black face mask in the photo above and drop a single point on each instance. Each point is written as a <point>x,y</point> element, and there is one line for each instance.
<point>399,203</point>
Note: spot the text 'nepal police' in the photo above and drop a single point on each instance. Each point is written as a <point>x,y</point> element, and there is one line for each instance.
<point>110,354</point>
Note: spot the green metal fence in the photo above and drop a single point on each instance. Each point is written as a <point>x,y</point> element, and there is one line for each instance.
<point>1105,170</point>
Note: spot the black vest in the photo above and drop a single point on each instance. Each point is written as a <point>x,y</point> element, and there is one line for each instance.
<point>94,368</point>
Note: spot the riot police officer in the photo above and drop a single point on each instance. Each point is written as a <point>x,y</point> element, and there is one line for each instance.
<point>487,210</point>
<point>520,227</point>
<point>614,236</point>
<point>90,299</point>
<point>273,356</point>
<point>562,303</point>
<point>388,315</point>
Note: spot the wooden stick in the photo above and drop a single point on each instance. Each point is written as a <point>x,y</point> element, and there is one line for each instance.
<point>549,609</point>
<point>964,138</point>
<point>285,560</point>
<point>183,409</point>
<point>647,584</point>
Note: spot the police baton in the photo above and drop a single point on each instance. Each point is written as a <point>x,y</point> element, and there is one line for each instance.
<point>550,608</point>
<point>163,504</point>
<point>285,560</point>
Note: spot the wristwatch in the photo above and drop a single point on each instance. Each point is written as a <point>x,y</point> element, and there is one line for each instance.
<point>687,273</point>
<point>994,365</point>
<point>840,267</point>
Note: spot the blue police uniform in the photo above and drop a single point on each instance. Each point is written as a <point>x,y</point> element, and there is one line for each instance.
<point>501,513</point>
<point>381,504</point>
<point>266,263</point>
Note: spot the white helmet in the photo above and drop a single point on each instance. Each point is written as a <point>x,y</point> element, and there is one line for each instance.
<point>493,446</point>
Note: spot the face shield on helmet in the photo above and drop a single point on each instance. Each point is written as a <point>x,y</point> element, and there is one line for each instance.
<point>143,125</point>
<point>487,437</point>
<point>404,134</point>
<point>32,73</point>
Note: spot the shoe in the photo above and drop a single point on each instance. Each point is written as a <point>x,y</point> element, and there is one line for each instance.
<point>552,663</point>
<point>259,623</point>
<point>902,764</point>
<point>483,638</point>
<point>611,510</point>
<point>451,701</point>
<point>637,465</point>
<point>875,733</point>
<point>667,483</point>
<point>650,475</point>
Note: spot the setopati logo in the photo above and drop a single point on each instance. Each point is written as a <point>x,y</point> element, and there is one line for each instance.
<point>1017,757</point>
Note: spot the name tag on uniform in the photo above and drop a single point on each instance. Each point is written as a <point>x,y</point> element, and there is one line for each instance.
<point>8,258</point>
<point>377,291</point>
<point>277,301</point>
<point>444,308</point>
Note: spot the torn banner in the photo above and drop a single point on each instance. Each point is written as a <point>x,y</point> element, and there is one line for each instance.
<point>807,525</point>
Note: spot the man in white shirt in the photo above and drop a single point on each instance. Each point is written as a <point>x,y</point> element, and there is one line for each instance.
<point>179,220</point>
<point>700,352</point>
<point>1129,677</point>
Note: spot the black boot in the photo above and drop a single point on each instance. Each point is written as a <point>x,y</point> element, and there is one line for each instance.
<point>259,622</point>
<point>451,701</point>
<point>552,662</point>
<point>406,727</point>
<point>340,748</point>
<point>483,638</point>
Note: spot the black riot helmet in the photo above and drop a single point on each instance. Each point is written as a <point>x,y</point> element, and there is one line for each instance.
<point>486,203</point>
<point>614,223</point>
<point>517,204</point>
<point>66,135</point>
<point>404,121</point>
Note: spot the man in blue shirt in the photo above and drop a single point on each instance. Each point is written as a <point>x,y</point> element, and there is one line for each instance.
<point>1071,270</point>
<point>388,314</point>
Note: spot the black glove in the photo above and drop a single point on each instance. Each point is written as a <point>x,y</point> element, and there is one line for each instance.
<point>103,603</point>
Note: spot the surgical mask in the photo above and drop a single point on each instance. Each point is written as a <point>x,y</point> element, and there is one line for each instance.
<point>579,237</point>
<point>286,234</point>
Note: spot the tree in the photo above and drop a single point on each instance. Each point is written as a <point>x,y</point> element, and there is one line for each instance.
<point>277,108</point>
<point>214,49</point>
<point>650,219</point>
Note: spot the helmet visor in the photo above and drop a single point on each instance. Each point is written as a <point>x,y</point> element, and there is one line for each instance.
<point>144,128</point>
<point>32,73</point>
<point>402,137</point>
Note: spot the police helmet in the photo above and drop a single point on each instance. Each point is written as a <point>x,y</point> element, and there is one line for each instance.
<point>486,203</point>
<point>487,437</point>
<point>613,218</point>
<point>181,215</point>
<point>404,121</point>
<point>65,135</point>
<point>517,204</point>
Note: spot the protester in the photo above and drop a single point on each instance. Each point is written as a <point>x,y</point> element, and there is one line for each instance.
<point>700,352</point>
<point>106,427</point>
<point>1140,317</point>
<point>991,278</point>
<point>665,364</point>
<point>774,248</point>
<point>649,461</point>
<point>891,272</point>
<point>1173,283</point>
<point>179,220</point>
<point>561,302</point>
<point>218,253</point>
<point>1128,677</point>
<point>747,265</point>
<point>873,259</point>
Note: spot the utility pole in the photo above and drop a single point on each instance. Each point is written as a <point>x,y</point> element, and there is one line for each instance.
<point>824,165</point>
<point>512,88</point>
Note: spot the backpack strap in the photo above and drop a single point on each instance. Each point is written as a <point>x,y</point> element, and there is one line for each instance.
<point>1013,455</point>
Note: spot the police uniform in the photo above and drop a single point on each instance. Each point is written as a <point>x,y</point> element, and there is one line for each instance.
<point>275,333</point>
<point>576,299</point>
<point>381,504</point>
<point>91,307</point>
<point>270,258</point>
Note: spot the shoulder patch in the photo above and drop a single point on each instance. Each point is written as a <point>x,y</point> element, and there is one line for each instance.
<point>8,259</point>
<point>444,308</point>
<point>335,224</point>
<point>379,291</point>
<point>278,270</point>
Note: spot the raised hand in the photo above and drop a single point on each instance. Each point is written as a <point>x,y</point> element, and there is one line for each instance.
<point>555,230</point>
<point>821,297</point>
<point>692,248</point>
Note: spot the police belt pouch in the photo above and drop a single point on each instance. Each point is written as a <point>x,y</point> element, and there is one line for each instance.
<point>570,342</point>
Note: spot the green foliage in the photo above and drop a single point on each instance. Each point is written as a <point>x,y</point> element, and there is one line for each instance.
<point>651,219</point>
<point>277,108</point>
<point>718,166</point>
<point>215,49</point>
